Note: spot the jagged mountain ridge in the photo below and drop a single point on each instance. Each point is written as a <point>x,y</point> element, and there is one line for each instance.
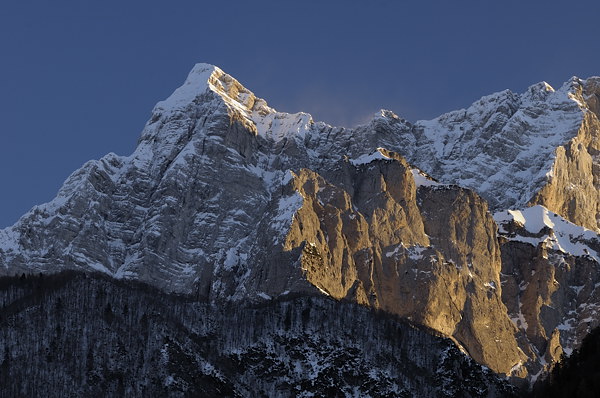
<point>334,213</point>
<point>317,145</point>
<point>503,145</point>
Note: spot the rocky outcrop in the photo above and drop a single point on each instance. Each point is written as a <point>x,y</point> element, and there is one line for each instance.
<point>429,254</point>
<point>549,282</point>
<point>573,187</point>
<point>465,233</point>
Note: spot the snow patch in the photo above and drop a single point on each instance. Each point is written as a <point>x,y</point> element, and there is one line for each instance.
<point>287,177</point>
<point>264,295</point>
<point>288,206</point>
<point>8,242</point>
<point>322,291</point>
<point>422,179</point>
<point>563,235</point>
<point>278,125</point>
<point>416,252</point>
<point>515,368</point>
<point>368,158</point>
<point>519,321</point>
<point>231,258</point>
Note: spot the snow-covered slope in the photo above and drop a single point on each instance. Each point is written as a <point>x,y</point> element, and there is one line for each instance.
<point>537,225</point>
<point>503,145</point>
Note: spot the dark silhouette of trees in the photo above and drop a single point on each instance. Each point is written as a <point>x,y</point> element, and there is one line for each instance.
<point>75,334</point>
<point>577,375</point>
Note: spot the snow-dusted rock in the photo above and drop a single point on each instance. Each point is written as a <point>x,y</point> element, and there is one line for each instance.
<point>538,147</point>
<point>550,275</point>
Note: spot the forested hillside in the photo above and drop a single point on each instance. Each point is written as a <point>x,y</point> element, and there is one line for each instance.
<point>73,334</point>
<point>577,375</point>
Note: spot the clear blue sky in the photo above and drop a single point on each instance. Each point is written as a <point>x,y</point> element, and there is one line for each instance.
<point>78,78</point>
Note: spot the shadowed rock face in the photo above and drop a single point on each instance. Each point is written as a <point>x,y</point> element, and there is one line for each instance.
<point>227,199</point>
<point>549,277</point>
<point>551,296</point>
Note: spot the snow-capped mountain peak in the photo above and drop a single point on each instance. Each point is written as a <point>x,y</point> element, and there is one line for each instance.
<point>196,84</point>
<point>205,78</point>
<point>505,144</point>
<point>240,103</point>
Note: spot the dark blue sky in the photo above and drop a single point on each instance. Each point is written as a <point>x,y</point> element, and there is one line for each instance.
<point>78,78</point>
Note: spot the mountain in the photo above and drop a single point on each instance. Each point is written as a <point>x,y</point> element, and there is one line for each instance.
<point>480,225</point>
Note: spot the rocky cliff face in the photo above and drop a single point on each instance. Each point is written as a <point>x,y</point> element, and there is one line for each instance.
<point>427,253</point>
<point>549,276</point>
<point>227,199</point>
<point>573,187</point>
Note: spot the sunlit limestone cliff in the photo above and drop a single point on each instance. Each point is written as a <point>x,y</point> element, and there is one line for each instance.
<point>229,201</point>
